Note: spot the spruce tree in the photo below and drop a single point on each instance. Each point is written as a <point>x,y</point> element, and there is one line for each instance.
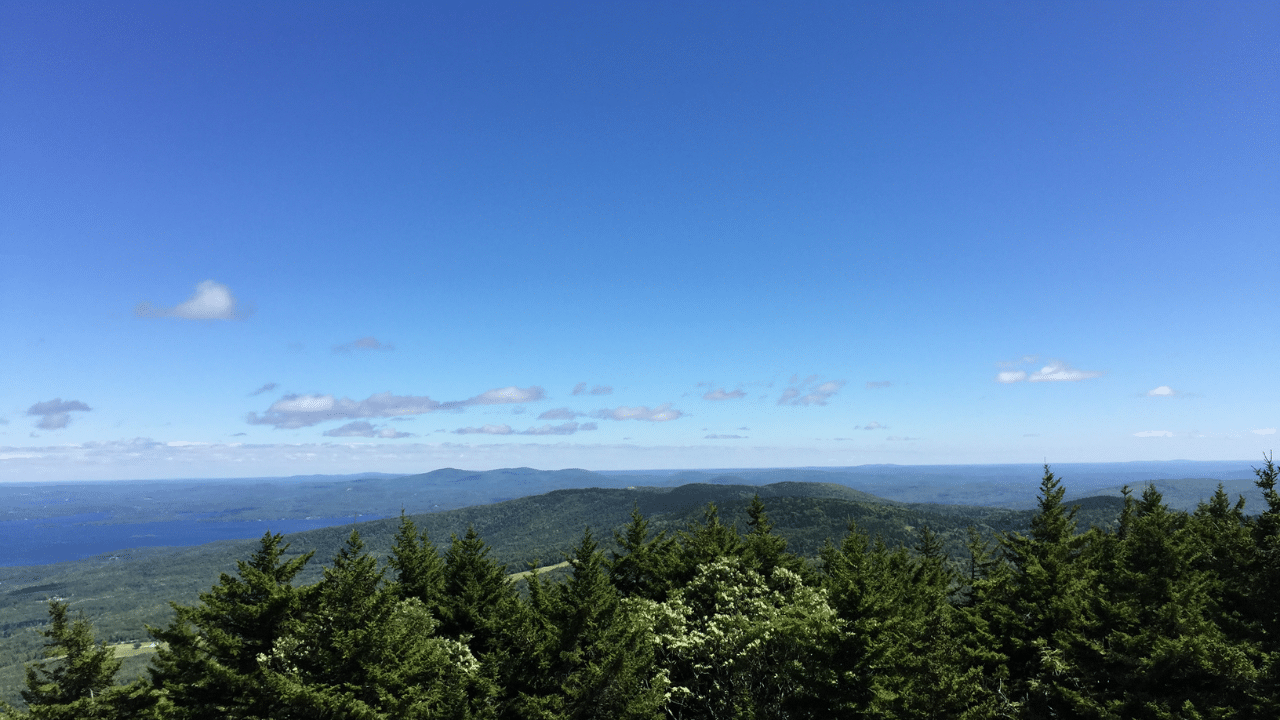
<point>419,571</point>
<point>643,566</point>
<point>72,683</point>
<point>1165,657</point>
<point>207,664</point>
<point>1043,611</point>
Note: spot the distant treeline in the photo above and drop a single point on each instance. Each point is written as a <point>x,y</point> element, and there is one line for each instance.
<point>1165,614</point>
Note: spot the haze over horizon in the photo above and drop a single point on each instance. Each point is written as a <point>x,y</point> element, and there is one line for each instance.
<point>247,240</point>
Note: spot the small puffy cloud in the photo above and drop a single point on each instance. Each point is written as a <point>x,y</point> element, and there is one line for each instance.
<point>1052,371</point>
<point>1162,391</point>
<point>297,411</point>
<point>726,437</point>
<point>55,414</point>
<point>1153,433</point>
<point>662,413</point>
<point>807,393</point>
<point>361,428</point>
<point>722,395</point>
<point>559,414</point>
<point>499,396</point>
<point>265,388</point>
<point>485,430</point>
<point>211,301</point>
<point>365,343</point>
<point>1264,431</point>
<point>568,428</point>
<point>877,384</point>
<point>581,389</point>
<point>873,425</point>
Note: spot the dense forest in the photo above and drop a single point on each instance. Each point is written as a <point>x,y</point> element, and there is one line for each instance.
<point>1165,614</point>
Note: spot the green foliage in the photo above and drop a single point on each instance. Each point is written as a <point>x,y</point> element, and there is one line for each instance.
<point>73,683</point>
<point>209,663</point>
<point>703,615</point>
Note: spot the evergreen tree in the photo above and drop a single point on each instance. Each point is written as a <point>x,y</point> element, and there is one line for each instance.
<point>207,664</point>
<point>700,544</point>
<point>1165,656</point>
<point>1264,610</point>
<point>606,664</point>
<point>72,684</point>
<point>478,598</point>
<point>1043,611</point>
<point>418,567</point>
<point>763,550</point>
<point>641,569</point>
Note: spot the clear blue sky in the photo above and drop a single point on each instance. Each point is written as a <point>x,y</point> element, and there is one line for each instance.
<point>245,239</point>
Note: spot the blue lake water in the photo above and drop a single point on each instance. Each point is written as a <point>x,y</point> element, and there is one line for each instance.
<point>72,537</point>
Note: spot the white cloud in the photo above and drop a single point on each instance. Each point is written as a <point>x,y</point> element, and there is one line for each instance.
<point>1153,433</point>
<point>1264,431</point>
<point>898,438</point>
<point>55,414</point>
<point>722,395</point>
<point>802,392</point>
<point>1057,371</point>
<point>662,413</point>
<point>485,430</point>
<point>581,389</point>
<point>297,411</point>
<point>725,437</point>
<point>365,343</point>
<point>1052,371</point>
<point>211,301</point>
<point>1162,391</point>
<point>873,425</point>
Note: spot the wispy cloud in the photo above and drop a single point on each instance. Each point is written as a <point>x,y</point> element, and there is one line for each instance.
<point>877,384</point>
<point>265,388</point>
<point>873,425</point>
<point>297,411</point>
<point>662,413</point>
<point>568,428</point>
<point>581,389</point>
<point>365,343</point>
<point>485,430</point>
<point>55,414</point>
<point>499,396</point>
<point>1264,431</point>
<point>806,392</point>
<point>560,414</point>
<point>1153,433</point>
<point>1052,371</point>
<point>211,301</point>
<point>1162,391</point>
<point>361,428</point>
<point>725,437</point>
<point>901,438</point>
<point>722,395</point>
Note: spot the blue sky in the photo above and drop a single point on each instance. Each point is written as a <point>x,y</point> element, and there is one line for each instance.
<point>240,239</point>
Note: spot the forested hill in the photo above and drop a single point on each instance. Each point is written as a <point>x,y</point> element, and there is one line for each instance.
<point>694,612</point>
<point>124,591</point>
